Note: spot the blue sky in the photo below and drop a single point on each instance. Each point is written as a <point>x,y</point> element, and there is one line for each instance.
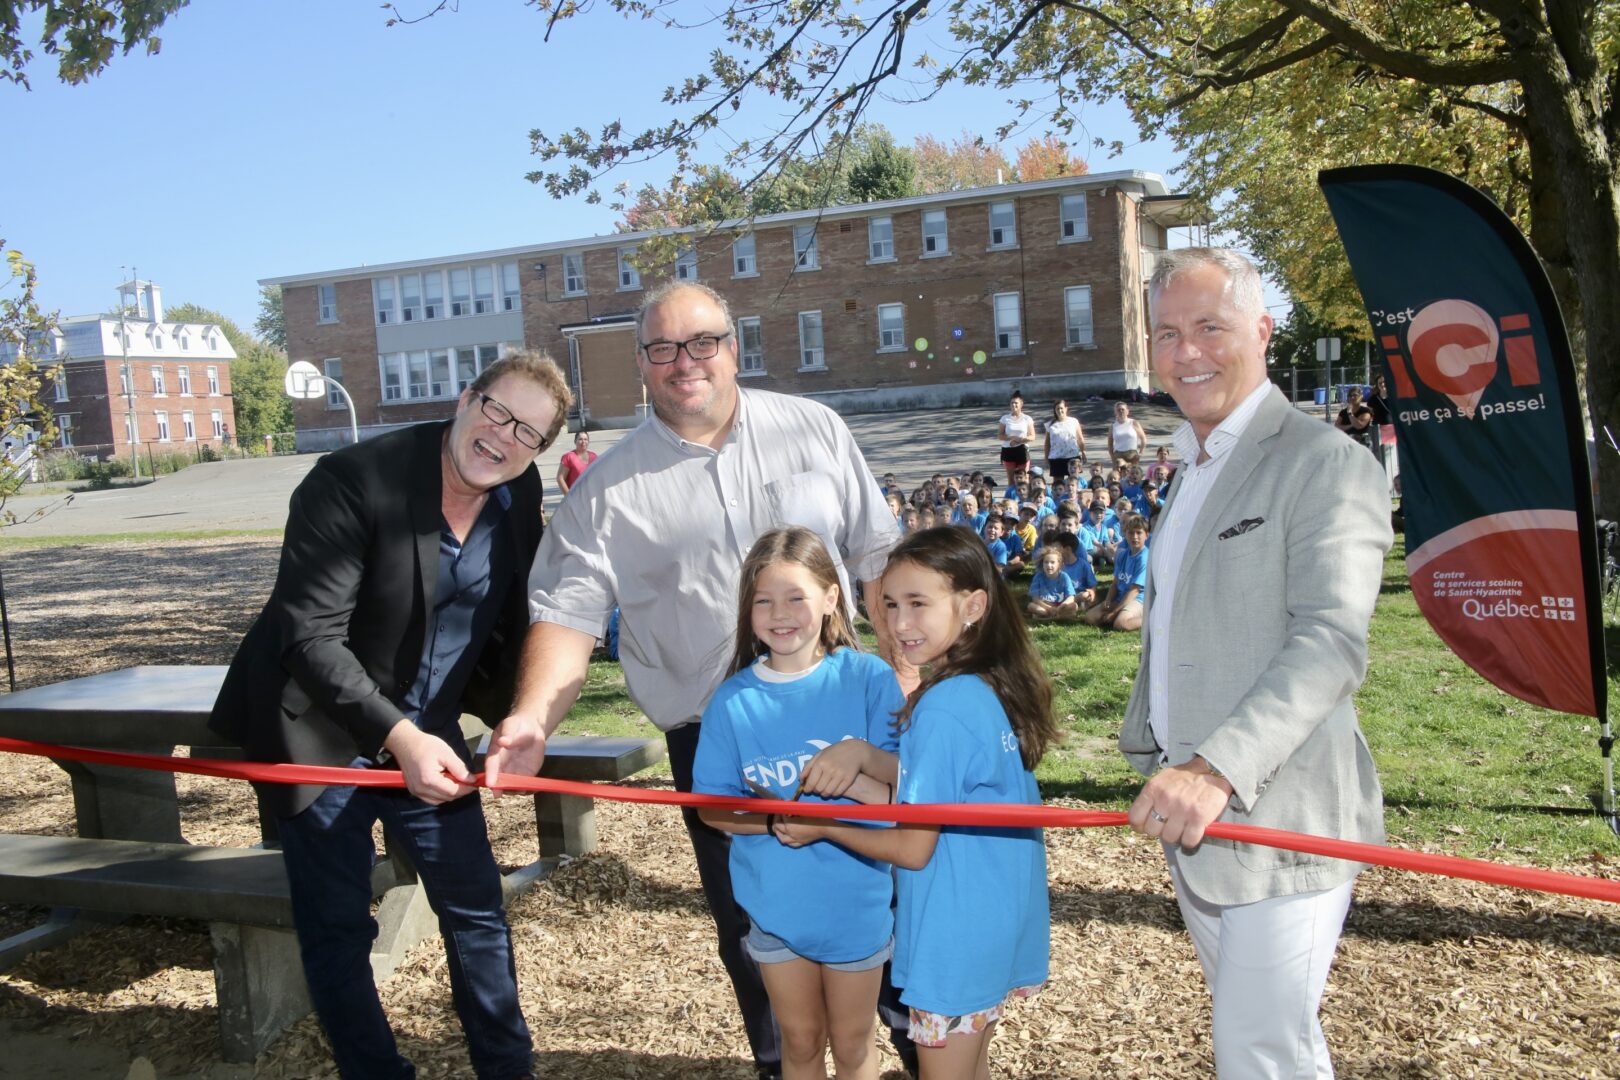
<point>275,137</point>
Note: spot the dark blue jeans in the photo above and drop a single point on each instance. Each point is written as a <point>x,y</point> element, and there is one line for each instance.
<point>329,856</point>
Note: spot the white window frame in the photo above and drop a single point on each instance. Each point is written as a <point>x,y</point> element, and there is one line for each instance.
<point>1072,224</point>
<point>461,301</point>
<point>686,268</point>
<point>1009,337</point>
<point>439,381</point>
<point>332,367</point>
<point>891,338</point>
<point>157,340</point>
<point>936,235</point>
<point>188,425</point>
<point>218,418</point>
<point>184,340</point>
<point>629,273</point>
<point>1075,335</point>
<point>410,306</point>
<point>159,386</point>
<point>60,383</point>
<point>416,375</point>
<point>483,290</point>
<point>574,274</point>
<point>129,428</point>
<point>391,377</point>
<point>750,360</point>
<point>812,357</point>
<point>806,254</point>
<point>382,300</point>
<point>213,381</point>
<point>64,429</point>
<point>744,256</point>
<point>511,287</point>
<point>1005,234</point>
<point>161,419</point>
<point>432,294</point>
<point>125,374</point>
<point>880,249</point>
<point>466,367</point>
<point>326,303</point>
<point>182,375</point>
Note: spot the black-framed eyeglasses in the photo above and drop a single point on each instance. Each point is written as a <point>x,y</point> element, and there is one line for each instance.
<point>702,347</point>
<point>502,416</point>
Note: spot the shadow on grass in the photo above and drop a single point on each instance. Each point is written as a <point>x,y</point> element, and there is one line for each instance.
<point>1107,792</point>
<point>1589,809</point>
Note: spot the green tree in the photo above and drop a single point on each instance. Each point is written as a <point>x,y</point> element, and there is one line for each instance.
<point>1517,96</point>
<point>24,326</point>
<point>257,395</point>
<point>271,325</point>
<point>882,170</point>
<point>81,34</point>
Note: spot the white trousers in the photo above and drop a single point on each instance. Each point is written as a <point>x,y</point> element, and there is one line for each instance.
<point>1267,965</point>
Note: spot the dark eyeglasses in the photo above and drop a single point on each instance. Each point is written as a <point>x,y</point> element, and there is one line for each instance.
<point>702,347</point>
<point>502,416</point>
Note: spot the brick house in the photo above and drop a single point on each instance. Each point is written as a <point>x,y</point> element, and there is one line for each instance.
<point>929,301</point>
<point>138,379</point>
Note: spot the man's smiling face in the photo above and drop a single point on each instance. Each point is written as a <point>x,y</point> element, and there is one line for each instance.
<point>1207,352</point>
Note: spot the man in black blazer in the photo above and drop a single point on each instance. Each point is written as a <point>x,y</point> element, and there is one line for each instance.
<point>401,601</point>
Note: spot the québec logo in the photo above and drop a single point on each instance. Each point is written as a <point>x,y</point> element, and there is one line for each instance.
<point>1455,347</point>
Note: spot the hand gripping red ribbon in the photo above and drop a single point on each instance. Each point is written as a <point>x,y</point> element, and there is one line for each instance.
<point>994,815</point>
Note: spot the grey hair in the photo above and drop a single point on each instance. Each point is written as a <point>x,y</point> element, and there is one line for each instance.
<point>666,291</point>
<point>1243,280</point>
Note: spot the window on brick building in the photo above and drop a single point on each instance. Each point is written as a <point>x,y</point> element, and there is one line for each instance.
<point>326,296</point>
<point>410,297</point>
<point>629,276</point>
<point>183,377</point>
<point>1073,217</point>
<point>158,388</point>
<point>64,429</point>
<point>439,373</point>
<point>751,346</point>
<point>460,292</point>
<point>61,386</point>
<point>483,290</point>
<point>574,275</point>
<point>466,368</point>
<point>891,320</point>
<point>743,263</point>
<point>392,369</point>
<point>805,254</point>
<point>123,380</point>
<point>416,374</point>
<point>812,353</point>
<point>213,382</point>
<point>217,418</point>
<point>1077,314</point>
<point>383,291</point>
<point>510,286</point>
<point>686,265</point>
<point>935,240</point>
<point>880,238</point>
<point>1009,328</point>
<point>433,294</point>
<point>129,429</point>
<point>333,368</point>
<point>188,425</point>
<point>162,421</point>
<point>1003,225</point>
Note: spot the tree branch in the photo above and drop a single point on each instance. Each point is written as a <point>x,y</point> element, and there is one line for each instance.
<point>1357,38</point>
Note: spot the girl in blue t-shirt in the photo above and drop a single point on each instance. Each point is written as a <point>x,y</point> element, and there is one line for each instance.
<point>972,921</point>
<point>822,920</point>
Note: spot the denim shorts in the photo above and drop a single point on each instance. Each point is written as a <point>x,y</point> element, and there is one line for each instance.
<point>767,948</point>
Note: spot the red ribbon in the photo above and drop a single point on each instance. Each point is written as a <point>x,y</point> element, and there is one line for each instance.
<point>990,815</point>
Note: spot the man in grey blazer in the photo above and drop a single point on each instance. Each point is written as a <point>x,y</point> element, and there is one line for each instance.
<point>1265,566</point>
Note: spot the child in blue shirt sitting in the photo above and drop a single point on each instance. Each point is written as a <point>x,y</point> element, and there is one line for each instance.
<point>822,924</point>
<point>1078,567</point>
<point>1051,593</point>
<point>972,919</point>
<point>1121,609</point>
<point>1098,539</point>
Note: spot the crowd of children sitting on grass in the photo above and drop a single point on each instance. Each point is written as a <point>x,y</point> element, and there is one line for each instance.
<point>1059,536</point>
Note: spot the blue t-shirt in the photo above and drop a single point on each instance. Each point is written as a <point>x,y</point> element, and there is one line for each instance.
<point>1081,573</point>
<point>974,923</point>
<point>1133,493</point>
<point>1051,590</point>
<point>1015,544</point>
<point>998,551</point>
<point>1098,537</point>
<point>1130,569</point>
<point>826,903</point>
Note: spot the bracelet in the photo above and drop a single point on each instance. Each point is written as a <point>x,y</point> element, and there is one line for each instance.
<point>770,824</point>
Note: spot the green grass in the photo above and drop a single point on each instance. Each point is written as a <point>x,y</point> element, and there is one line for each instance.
<point>1466,768</point>
<point>33,543</point>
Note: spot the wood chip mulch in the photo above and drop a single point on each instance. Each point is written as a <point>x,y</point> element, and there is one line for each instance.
<point>1434,978</point>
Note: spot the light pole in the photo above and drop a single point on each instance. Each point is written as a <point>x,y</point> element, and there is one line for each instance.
<point>129,387</point>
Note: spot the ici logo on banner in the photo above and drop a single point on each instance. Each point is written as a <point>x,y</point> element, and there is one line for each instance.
<point>1455,347</point>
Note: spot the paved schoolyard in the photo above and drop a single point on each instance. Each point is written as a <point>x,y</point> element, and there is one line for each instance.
<point>252,493</point>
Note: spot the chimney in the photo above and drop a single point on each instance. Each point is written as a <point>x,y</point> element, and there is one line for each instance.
<point>152,301</point>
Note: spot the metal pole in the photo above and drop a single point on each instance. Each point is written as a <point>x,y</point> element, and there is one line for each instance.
<point>5,625</point>
<point>1605,744</point>
<point>129,386</point>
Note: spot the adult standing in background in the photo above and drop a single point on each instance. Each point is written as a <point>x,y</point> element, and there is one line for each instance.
<point>1126,439</point>
<point>399,604</point>
<point>1259,595</point>
<point>658,528</point>
<point>575,461</point>
<point>1065,441</point>
<point>1017,430</point>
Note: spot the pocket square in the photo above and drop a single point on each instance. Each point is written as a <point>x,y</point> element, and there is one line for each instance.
<point>1246,525</point>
